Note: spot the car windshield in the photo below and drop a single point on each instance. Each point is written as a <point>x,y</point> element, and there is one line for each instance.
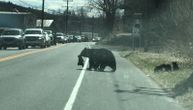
<point>32,32</point>
<point>49,32</point>
<point>59,34</point>
<point>11,32</point>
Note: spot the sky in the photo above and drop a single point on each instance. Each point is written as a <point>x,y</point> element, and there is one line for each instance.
<point>53,6</point>
<point>50,4</point>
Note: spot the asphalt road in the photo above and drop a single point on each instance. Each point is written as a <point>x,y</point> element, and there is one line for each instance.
<point>49,79</point>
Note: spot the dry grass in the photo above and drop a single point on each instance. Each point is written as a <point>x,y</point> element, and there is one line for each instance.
<point>176,80</point>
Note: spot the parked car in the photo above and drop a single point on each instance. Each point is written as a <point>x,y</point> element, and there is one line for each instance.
<point>72,38</point>
<point>96,39</point>
<point>84,39</point>
<point>1,30</point>
<point>66,39</point>
<point>0,43</point>
<point>60,37</point>
<point>12,37</point>
<point>48,39</point>
<point>35,37</point>
<point>51,36</point>
<point>78,38</point>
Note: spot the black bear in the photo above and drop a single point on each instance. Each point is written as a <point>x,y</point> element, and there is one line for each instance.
<point>167,67</point>
<point>175,66</point>
<point>163,67</point>
<point>99,58</point>
<point>80,61</point>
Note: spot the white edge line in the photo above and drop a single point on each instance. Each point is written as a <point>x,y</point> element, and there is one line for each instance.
<point>75,90</point>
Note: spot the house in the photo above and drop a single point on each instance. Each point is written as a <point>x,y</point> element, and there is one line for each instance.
<point>17,20</point>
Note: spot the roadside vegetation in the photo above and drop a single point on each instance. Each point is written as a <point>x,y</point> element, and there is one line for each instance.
<point>179,82</point>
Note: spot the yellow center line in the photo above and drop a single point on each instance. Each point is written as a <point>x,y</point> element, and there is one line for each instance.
<point>11,57</point>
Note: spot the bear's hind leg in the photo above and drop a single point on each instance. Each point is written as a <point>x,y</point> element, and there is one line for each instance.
<point>102,67</point>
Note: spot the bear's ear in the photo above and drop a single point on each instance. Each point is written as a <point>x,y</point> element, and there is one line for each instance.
<point>85,48</point>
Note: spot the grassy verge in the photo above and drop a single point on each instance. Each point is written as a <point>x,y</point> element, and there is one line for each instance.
<point>181,81</point>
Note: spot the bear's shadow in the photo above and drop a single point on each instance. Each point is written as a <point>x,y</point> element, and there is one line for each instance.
<point>105,71</point>
<point>79,69</point>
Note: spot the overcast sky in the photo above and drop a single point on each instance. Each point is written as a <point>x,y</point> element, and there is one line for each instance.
<point>50,4</point>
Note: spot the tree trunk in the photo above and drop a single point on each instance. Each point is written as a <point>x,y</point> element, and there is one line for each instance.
<point>109,24</point>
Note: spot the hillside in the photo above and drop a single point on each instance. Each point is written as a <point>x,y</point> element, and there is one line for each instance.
<point>10,7</point>
<point>170,26</point>
<point>166,25</point>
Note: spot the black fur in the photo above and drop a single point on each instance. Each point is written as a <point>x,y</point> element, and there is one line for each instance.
<point>99,58</point>
<point>167,67</point>
<point>80,61</point>
<point>175,66</point>
<point>163,67</point>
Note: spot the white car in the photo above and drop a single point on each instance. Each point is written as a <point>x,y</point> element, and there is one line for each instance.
<point>50,34</point>
<point>35,37</point>
<point>48,39</point>
<point>60,38</point>
<point>79,38</point>
<point>12,37</point>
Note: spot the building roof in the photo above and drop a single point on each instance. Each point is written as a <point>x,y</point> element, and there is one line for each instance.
<point>22,13</point>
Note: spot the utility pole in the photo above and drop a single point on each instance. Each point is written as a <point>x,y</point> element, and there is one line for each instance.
<point>92,27</point>
<point>42,23</point>
<point>80,28</point>
<point>67,17</point>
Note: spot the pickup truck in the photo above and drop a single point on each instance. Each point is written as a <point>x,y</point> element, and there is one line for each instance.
<point>35,37</point>
<point>12,37</point>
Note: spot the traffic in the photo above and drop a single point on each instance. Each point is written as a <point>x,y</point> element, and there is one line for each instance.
<point>36,37</point>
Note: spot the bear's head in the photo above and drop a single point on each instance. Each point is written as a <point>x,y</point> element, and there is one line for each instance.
<point>80,61</point>
<point>85,52</point>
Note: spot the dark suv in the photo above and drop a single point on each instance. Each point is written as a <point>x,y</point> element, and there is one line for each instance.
<point>12,37</point>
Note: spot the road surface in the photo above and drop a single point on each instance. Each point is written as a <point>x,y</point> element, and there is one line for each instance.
<point>49,79</point>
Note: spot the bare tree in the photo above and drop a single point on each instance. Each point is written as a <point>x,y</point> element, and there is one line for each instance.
<point>109,8</point>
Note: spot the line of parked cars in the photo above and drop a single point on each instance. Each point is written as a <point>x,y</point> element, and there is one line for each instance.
<point>14,37</point>
<point>62,38</point>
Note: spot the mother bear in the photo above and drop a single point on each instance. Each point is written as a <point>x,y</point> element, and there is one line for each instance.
<point>99,58</point>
